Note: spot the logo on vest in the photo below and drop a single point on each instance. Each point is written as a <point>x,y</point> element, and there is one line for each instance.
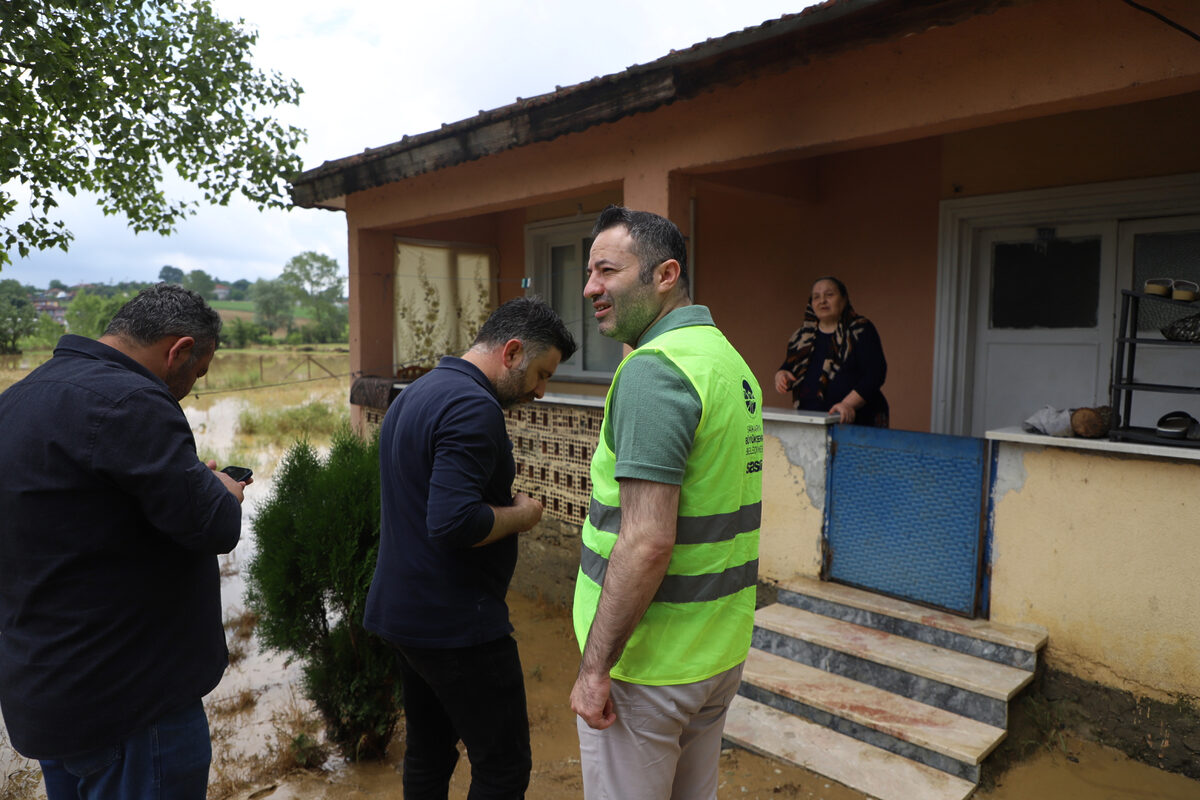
<point>748,393</point>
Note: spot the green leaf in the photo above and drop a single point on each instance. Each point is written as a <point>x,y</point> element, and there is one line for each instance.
<point>117,89</point>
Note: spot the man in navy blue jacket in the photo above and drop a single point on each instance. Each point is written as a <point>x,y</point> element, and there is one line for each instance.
<point>447,553</point>
<point>110,604</point>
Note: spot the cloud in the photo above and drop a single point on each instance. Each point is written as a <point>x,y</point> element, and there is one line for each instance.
<point>373,72</point>
<point>230,242</point>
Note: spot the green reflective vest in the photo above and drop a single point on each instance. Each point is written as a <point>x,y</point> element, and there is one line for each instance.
<point>700,621</point>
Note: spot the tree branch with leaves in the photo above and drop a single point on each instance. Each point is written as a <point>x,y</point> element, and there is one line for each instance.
<point>103,97</point>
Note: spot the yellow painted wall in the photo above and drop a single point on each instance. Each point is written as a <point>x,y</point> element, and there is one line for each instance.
<point>794,457</point>
<point>1103,552</point>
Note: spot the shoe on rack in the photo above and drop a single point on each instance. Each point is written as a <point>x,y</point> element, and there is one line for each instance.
<point>1159,286</point>
<point>1178,425</point>
<point>1184,290</point>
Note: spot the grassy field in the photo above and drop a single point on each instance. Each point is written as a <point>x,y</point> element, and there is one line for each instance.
<point>244,309</point>
<point>232,305</point>
<point>15,367</point>
<point>259,401</point>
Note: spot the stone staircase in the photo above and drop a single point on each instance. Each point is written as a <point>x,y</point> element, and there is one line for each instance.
<point>892,699</point>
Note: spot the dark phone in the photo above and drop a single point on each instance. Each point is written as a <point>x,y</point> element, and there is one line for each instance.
<point>238,473</point>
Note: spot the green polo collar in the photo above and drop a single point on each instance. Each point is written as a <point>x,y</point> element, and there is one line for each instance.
<point>683,317</point>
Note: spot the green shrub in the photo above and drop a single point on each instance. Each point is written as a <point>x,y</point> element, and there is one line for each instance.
<point>45,336</point>
<point>240,333</point>
<point>317,536</point>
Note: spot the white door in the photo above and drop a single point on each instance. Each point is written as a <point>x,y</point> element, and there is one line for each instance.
<point>1044,302</point>
<point>1164,247</point>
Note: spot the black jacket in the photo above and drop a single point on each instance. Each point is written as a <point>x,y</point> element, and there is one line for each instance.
<point>110,609</point>
<point>445,456</point>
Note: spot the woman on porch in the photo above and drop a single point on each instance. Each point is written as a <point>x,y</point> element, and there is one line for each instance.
<point>835,360</point>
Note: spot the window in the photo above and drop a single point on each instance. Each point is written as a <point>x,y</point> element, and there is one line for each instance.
<point>1046,283</point>
<point>556,262</point>
<point>443,293</point>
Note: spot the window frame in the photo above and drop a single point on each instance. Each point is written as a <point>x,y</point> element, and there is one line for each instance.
<point>540,237</point>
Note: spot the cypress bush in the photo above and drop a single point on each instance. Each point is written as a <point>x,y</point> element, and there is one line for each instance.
<point>317,536</point>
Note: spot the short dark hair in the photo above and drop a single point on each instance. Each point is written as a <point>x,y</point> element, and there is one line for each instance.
<point>532,321</point>
<point>167,310</point>
<point>655,239</point>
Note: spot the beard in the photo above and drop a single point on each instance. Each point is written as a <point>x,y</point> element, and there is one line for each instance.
<point>511,388</point>
<point>632,313</point>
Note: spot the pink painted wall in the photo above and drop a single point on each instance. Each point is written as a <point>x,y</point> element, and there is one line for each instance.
<point>1136,140</point>
<point>870,218</point>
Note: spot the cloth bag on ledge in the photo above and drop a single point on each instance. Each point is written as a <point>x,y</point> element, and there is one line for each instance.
<point>1050,421</point>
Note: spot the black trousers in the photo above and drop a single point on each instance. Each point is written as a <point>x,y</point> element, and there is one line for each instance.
<point>476,694</point>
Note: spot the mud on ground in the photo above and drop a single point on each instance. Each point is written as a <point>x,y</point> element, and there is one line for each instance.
<point>1037,766</point>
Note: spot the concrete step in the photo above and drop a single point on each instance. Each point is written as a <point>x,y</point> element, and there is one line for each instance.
<point>906,727</point>
<point>1013,645</point>
<point>947,679</point>
<point>860,766</point>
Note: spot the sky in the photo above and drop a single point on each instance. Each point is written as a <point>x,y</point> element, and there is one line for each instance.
<point>373,72</point>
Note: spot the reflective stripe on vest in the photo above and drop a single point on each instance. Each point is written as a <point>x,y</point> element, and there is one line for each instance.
<point>689,530</point>
<point>682,588</point>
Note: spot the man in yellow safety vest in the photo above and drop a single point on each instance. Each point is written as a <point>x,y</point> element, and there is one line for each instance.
<point>664,599</point>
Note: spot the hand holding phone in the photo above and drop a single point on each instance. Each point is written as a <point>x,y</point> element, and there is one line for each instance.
<point>239,474</point>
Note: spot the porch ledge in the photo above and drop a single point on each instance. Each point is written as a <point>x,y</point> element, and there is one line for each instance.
<point>587,401</point>
<point>798,417</point>
<point>769,414</point>
<point>1019,436</point>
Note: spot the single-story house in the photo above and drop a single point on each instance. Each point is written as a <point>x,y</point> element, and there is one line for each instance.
<point>995,181</point>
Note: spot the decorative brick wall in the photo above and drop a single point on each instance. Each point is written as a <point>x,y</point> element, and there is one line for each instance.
<point>553,445</point>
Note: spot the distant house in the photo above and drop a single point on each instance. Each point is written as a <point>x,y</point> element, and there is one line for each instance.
<point>54,302</point>
<point>220,292</point>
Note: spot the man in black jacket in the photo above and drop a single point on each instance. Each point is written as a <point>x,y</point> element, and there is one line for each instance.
<point>447,552</point>
<point>110,608</point>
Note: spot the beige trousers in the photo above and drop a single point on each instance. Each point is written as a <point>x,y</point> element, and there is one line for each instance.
<point>665,744</point>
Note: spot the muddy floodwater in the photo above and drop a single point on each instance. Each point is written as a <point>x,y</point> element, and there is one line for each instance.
<point>259,704</point>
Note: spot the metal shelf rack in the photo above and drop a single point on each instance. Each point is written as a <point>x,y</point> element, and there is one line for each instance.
<point>1123,382</point>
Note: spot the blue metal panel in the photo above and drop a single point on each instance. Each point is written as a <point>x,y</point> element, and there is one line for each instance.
<point>903,514</point>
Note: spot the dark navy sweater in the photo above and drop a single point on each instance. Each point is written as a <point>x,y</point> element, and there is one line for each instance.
<point>444,456</point>
<point>864,372</point>
<point>110,605</point>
